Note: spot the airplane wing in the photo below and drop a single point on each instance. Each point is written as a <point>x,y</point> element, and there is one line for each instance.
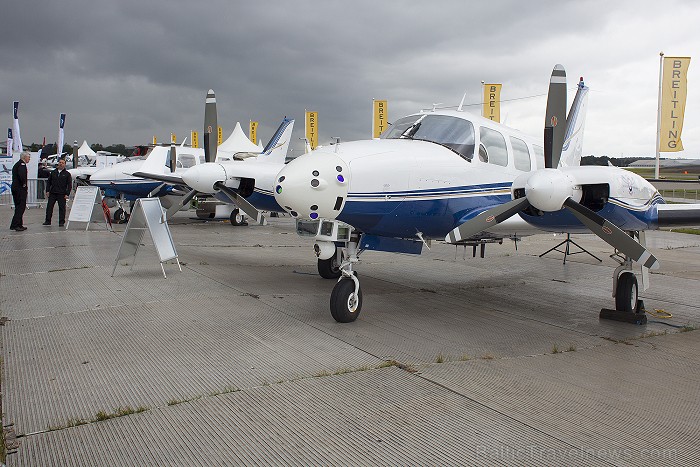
<point>171,179</point>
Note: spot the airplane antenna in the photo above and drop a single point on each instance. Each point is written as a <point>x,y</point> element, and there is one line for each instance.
<point>461,104</point>
<point>435,106</point>
<point>183,142</point>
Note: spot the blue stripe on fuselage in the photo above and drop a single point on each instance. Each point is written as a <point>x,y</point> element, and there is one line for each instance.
<point>434,218</point>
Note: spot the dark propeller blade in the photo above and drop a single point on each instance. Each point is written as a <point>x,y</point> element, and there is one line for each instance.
<point>555,118</point>
<point>612,234</point>
<point>242,203</point>
<point>487,219</point>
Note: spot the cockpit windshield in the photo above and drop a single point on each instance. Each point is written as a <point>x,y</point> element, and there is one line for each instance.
<point>454,133</point>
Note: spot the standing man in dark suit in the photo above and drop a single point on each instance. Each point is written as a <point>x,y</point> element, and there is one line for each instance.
<point>58,188</point>
<point>19,191</point>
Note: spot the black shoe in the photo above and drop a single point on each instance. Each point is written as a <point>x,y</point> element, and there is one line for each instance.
<point>21,228</point>
<point>46,223</point>
<point>61,224</point>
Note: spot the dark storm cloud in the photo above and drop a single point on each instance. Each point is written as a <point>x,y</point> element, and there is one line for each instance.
<point>126,70</point>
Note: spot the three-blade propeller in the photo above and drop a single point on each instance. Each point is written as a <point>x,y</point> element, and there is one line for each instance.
<point>550,190</point>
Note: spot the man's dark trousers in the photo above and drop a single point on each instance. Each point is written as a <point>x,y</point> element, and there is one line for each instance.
<point>61,199</point>
<point>19,196</point>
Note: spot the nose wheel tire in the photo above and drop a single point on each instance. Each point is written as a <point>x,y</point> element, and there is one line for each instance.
<point>627,293</point>
<point>345,305</point>
<point>329,268</point>
<point>120,216</point>
<point>237,218</point>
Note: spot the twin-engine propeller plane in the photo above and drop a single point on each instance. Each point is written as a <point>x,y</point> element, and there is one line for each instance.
<point>450,175</point>
<point>245,179</point>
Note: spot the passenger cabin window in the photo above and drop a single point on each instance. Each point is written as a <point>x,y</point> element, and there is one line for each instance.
<point>539,156</point>
<point>521,155</point>
<point>186,161</point>
<point>454,133</point>
<point>493,147</point>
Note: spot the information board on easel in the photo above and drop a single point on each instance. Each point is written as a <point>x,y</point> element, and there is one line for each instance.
<point>147,215</point>
<point>87,207</point>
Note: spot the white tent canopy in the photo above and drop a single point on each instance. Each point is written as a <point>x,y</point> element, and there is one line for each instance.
<point>84,150</point>
<point>238,142</point>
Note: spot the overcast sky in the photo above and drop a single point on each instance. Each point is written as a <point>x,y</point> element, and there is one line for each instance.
<point>125,70</point>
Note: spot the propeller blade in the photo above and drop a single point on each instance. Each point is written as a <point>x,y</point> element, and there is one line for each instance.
<point>242,203</point>
<point>173,158</point>
<point>177,206</point>
<point>555,118</point>
<point>612,234</point>
<point>486,219</point>
<point>211,129</point>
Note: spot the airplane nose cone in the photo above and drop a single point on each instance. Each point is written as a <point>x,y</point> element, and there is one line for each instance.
<point>313,186</point>
<point>202,177</point>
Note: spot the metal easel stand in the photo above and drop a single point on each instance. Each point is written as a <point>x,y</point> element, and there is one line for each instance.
<point>567,250</point>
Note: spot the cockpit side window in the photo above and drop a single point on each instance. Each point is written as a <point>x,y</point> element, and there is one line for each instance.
<point>493,145</point>
<point>187,160</point>
<point>521,155</point>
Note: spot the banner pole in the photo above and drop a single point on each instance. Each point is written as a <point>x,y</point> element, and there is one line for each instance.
<point>658,116</point>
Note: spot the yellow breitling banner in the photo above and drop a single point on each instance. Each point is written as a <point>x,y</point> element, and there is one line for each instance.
<point>220,137</point>
<point>312,128</point>
<point>254,132</point>
<point>492,102</point>
<point>155,140</point>
<point>379,117</point>
<point>674,88</point>
<point>173,138</point>
<point>195,139</point>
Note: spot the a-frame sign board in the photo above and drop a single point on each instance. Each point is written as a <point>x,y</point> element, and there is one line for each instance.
<point>147,214</point>
<point>87,207</point>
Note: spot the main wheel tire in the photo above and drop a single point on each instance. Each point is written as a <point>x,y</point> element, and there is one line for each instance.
<point>627,294</point>
<point>329,268</point>
<point>120,216</point>
<point>345,307</point>
<point>236,218</point>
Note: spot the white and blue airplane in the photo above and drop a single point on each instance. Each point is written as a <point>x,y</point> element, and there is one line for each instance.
<point>450,175</point>
<point>244,178</point>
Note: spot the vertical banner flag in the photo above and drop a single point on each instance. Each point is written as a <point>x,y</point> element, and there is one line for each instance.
<point>17,140</point>
<point>674,90</point>
<point>59,144</point>
<point>379,117</point>
<point>253,132</point>
<point>195,139</point>
<point>492,102</point>
<point>6,164</point>
<point>155,140</point>
<point>220,137</point>
<point>312,128</point>
<point>9,142</point>
<point>173,138</point>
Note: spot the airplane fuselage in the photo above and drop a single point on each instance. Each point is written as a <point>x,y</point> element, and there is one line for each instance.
<point>429,183</point>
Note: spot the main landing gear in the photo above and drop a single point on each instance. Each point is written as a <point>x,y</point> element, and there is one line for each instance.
<point>346,298</point>
<point>628,307</point>
<point>237,218</point>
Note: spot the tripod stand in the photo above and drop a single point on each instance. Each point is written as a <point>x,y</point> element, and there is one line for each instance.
<point>567,251</point>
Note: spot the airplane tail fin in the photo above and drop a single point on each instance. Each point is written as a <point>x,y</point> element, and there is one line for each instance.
<point>157,160</point>
<point>277,147</point>
<point>575,121</point>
